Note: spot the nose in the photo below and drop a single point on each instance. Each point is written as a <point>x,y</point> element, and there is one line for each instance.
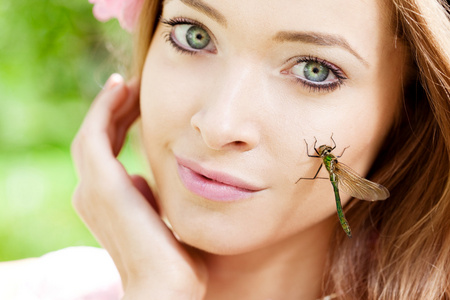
<point>229,116</point>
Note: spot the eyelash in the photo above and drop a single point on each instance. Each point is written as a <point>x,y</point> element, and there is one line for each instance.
<point>312,87</point>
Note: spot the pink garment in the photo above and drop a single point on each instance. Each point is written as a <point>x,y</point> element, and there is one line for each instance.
<point>76,273</point>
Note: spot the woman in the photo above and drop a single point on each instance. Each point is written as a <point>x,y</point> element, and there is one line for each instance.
<point>228,94</point>
<point>235,111</point>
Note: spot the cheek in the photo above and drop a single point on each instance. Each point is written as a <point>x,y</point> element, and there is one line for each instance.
<point>161,100</point>
<point>165,108</point>
<point>373,122</point>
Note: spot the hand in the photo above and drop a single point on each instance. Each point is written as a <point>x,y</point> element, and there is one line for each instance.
<point>120,209</point>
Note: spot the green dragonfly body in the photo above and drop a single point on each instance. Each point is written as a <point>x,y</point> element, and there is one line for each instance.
<point>349,181</point>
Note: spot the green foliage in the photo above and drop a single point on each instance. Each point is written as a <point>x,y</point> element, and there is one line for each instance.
<point>54,58</point>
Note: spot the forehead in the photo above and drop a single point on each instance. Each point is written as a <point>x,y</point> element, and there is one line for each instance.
<point>348,10</point>
<point>363,24</point>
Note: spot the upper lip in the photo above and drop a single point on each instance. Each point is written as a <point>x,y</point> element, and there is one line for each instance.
<point>217,175</point>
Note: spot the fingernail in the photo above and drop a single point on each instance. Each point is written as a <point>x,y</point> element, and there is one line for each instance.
<point>113,80</point>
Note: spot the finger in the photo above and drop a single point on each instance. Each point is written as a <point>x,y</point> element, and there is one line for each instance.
<point>112,81</point>
<point>125,116</point>
<point>115,112</point>
<point>102,130</point>
<point>122,110</point>
<point>96,121</point>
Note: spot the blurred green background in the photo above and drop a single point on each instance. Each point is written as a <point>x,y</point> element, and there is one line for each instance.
<point>54,58</point>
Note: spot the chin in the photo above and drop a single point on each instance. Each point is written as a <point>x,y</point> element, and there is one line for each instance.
<point>209,239</point>
<point>221,236</point>
<point>216,233</point>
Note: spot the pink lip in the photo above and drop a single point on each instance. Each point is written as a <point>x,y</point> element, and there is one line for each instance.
<point>213,185</point>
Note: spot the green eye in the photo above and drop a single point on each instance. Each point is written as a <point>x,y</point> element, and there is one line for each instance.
<point>191,38</point>
<point>315,71</point>
<point>316,74</point>
<point>197,37</point>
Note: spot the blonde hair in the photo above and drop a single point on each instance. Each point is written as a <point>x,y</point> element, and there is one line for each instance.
<point>401,246</point>
<point>148,20</point>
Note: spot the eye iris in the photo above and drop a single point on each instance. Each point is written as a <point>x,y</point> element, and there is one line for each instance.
<point>315,71</point>
<point>197,37</point>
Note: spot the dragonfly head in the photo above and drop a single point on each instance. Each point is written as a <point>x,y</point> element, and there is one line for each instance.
<point>324,150</point>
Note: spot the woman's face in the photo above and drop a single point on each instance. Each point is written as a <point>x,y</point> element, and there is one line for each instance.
<point>231,90</point>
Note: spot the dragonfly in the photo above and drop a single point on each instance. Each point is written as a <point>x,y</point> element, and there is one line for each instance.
<point>343,177</point>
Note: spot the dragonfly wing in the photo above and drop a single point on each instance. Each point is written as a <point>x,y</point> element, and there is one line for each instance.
<point>356,186</point>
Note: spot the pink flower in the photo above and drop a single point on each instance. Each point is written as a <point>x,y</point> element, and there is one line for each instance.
<point>126,11</point>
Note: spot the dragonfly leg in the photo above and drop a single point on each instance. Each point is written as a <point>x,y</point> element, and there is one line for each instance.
<point>315,147</point>
<point>334,143</point>
<point>334,146</point>
<point>318,170</point>
<point>342,152</point>
<point>307,151</point>
<point>315,176</point>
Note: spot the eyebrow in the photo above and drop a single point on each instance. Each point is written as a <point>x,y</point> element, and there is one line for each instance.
<point>321,39</point>
<point>316,38</point>
<point>201,6</point>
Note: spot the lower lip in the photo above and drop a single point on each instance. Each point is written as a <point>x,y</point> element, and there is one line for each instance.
<point>210,189</point>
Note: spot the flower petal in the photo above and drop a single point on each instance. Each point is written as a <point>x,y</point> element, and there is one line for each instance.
<point>106,9</point>
<point>130,13</point>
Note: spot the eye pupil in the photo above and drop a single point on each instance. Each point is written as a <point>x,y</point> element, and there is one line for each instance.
<point>197,37</point>
<point>315,71</point>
